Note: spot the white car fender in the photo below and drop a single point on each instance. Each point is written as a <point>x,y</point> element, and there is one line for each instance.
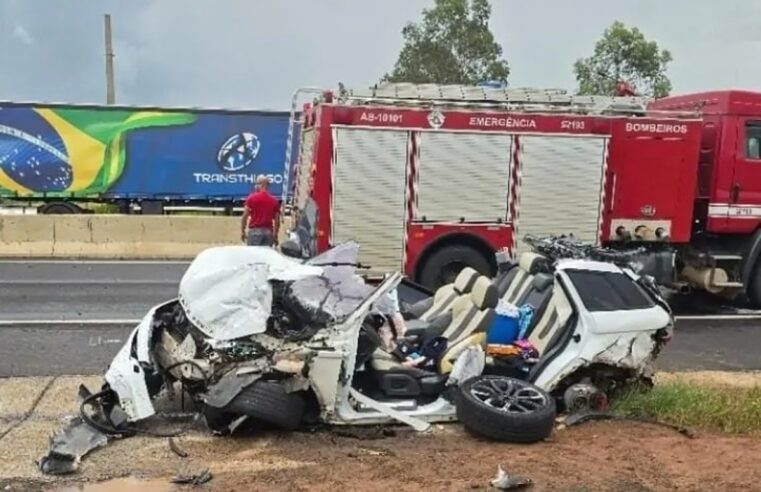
<point>622,338</point>
<point>127,379</point>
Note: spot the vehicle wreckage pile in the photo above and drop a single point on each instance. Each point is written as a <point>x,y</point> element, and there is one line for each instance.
<point>257,335</point>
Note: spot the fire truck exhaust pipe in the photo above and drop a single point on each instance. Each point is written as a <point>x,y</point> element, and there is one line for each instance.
<point>706,278</point>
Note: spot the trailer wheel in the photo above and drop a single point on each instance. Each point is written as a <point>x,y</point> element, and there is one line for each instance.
<point>59,208</point>
<point>443,266</point>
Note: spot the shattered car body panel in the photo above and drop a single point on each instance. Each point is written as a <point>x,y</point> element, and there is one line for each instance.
<point>126,376</point>
<point>312,323</point>
<point>330,308</point>
<point>226,291</point>
<point>250,320</point>
<point>69,445</point>
<point>618,338</point>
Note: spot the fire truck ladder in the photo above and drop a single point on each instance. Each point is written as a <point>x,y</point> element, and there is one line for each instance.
<point>518,99</point>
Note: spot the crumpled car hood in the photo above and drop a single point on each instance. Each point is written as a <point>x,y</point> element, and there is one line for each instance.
<point>226,291</point>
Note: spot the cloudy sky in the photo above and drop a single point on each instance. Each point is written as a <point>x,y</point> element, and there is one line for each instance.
<point>253,53</point>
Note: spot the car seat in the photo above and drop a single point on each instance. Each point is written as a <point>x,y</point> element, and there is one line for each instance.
<point>470,314</point>
<point>550,324</point>
<point>445,296</point>
<point>397,380</point>
<point>538,295</point>
<point>513,287</point>
<point>468,319</point>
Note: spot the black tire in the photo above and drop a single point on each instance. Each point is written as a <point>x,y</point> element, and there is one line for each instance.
<point>754,290</point>
<point>504,425</point>
<point>59,208</point>
<point>444,264</point>
<point>269,402</point>
<point>218,420</point>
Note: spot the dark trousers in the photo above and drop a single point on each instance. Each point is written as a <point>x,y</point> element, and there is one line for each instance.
<point>260,237</point>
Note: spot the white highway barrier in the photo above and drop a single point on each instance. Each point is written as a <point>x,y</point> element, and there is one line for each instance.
<point>114,236</point>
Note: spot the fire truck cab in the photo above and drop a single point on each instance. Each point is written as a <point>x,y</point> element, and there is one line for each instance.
<point>726,238</point>
<point>429,179</point>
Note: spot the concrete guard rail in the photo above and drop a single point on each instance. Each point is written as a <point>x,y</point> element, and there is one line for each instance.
<point>114,236</point>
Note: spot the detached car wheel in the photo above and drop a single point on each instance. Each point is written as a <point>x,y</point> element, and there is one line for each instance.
<point>505,409</point>
<point>269,402</point>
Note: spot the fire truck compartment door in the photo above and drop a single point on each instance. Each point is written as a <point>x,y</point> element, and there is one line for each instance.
<point>463,176</point>
<point>368,194</point>
<point>561,186</point>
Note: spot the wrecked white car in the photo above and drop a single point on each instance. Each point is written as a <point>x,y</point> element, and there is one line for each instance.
<point>257,335</point>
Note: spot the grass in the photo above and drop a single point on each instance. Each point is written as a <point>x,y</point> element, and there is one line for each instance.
<point>105,208</point>
<point>734,410</point>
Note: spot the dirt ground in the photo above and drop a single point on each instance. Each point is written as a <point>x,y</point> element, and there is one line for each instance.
<point>604,456</point>
<point>593,457</point>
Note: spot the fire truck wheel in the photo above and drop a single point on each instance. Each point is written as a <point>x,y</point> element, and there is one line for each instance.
<point>754,292</point>
<point>444,264</point>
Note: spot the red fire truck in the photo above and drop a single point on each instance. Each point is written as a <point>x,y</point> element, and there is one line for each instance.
<point>431,178</point>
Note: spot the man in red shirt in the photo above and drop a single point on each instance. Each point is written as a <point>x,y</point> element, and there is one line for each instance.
<point>260,214</point>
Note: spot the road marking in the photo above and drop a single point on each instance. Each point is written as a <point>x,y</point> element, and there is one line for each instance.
<point>718,317</point>
<point>94,262</point>
<point>84,281</point>
<point>96,341</point>
<point>96,322</point>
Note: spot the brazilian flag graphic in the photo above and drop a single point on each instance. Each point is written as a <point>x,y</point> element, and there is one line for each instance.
<point>69,151</point>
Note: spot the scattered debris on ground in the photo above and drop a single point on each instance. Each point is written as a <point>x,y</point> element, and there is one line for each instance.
<point>176,449</point>
<point>197,479</point>
<point>594,416</point>
<point>503,481</point>
<point>596,457</point>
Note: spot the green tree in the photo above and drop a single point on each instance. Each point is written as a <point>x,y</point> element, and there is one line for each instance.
<point>624,54</point>
<point>452,45</point>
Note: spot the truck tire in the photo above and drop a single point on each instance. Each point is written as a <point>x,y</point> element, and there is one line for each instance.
<point>269,402</point>
<point>493,407</point>
<point>754,287</point>
<point>59,208</point>
<point>445,263</point>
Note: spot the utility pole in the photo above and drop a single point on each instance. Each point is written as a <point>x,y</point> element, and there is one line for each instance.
<point>110,91</point>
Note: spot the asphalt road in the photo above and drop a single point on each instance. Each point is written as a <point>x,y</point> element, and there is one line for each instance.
<point>44,291</point>
<point>75,349</point>
<point>72,318</point>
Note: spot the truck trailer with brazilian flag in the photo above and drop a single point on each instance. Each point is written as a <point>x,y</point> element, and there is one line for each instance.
<point>62,155</point>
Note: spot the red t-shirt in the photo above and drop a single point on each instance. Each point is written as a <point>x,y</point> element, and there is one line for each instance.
<point>262,209</point>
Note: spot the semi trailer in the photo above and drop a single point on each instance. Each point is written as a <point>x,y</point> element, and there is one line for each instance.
<point>60,156</point>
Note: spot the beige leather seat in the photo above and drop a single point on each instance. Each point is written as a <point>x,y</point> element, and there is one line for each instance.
<point>551,323</point>
<point>521,281</point>
<point>471,313</point>
<point>468,318</point>
<point>472,330</point>
<point>445,296</point>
